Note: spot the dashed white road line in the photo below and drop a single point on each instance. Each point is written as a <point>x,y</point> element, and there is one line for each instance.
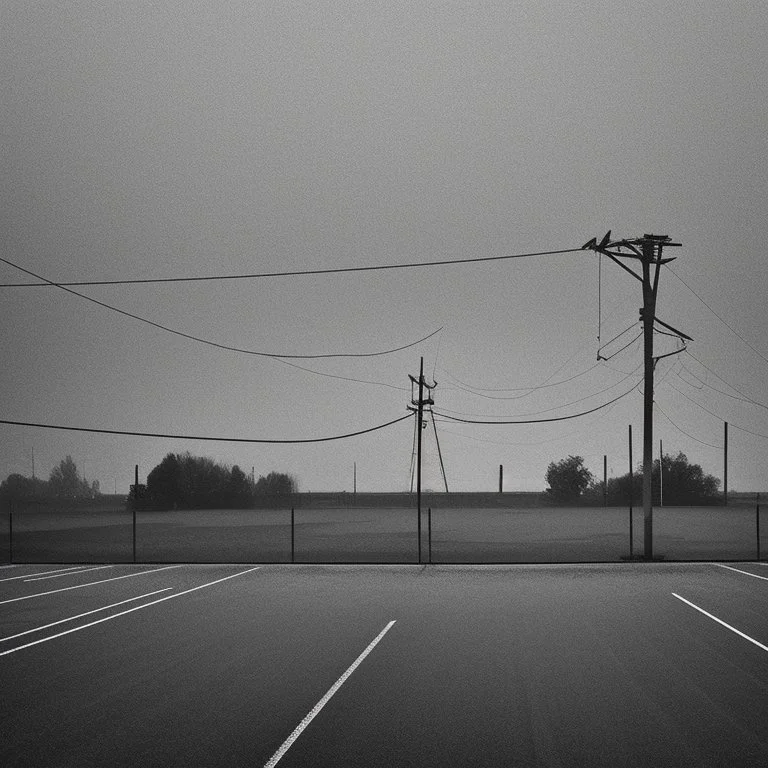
<point>286,745</point>
<point>43,573</point>
<point>80,615</point>
<point>720,621</point>
<point>123,613</point>
<point>738,570</point>
<point>72,573</point>
<point>89,584</point>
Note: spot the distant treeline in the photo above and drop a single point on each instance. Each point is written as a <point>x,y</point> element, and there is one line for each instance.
<point>674,481</point>
<point>184,481</point>
<point>64,482</point>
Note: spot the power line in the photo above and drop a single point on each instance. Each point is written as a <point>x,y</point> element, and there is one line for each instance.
<point>541,421</point>
<point>198,437</point>
<point>528,390</point>
<point>732,330</point>
<point>712,413</point>
<point>714,373</point>
<point>715,389</point>
<point>273,355</point>
<point>680,429</point>
<point>562,405</point>
<point>293,273</point>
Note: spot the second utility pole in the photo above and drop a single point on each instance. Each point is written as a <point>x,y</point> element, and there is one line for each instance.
<point>420,424</point>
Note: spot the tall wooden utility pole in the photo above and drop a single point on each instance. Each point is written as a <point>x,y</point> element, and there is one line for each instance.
<point>417,405</point>
<point>647,250</point>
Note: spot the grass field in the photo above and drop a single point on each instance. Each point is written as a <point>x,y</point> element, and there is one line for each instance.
<point>379,535</point>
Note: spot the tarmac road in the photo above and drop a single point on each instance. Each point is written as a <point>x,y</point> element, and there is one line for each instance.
<point>588,665</point>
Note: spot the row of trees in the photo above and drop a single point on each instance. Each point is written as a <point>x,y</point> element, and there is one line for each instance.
<point>185,481</point>
<point>64,482</point>
<point>681,481</point>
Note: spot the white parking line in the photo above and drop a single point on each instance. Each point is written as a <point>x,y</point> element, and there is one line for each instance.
<point>80,615</point>
<point>123,613</point>
<point>73,573</point>
<point>720,621</point>
<point>286,745</point>
<point>42,573</point>
<point>89,584</point>
<point>738,570</point>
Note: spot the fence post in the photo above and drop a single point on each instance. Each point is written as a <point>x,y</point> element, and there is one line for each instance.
<point>418,528</point>
<point>429,534</point>
<point>292,537</point>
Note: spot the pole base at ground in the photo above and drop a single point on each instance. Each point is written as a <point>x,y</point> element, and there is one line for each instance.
<point>642,558</point>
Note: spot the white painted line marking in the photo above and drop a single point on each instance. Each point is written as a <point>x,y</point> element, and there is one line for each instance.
<point>43,573</point>
<point>80,615</point>
<point>720,621</point>
<point>123,613</point>
<point>72,573</point>
<point>738,570</point>
<point>89,584</point>
<point>286,745</point>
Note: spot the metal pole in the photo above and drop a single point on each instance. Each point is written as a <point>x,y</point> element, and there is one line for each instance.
<point>757,524</point>
<point>134,530</point>
<point>725,464</point>
<point>429,532</point>
<point>661,474</point>
<point>293,553</point>
<point>501,478</point>
<point>354,481</point>
<point>631,494</point>
<point>605,480</point>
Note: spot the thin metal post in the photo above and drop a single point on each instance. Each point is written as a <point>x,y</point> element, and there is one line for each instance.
<point>501,478</point>
<point>757,524</point>
<point>134,531</point>
<point>293,541</point>
<point>661,474</point>
<point>605,480</point>
<point>429,533</point>
<point>418,526</point>
<point>631,495</point>
<point>725,464</point>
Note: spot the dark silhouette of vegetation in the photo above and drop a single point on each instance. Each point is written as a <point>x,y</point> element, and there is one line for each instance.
<point>683,484</point>
<point>276,484</point>
<point>64,482</point>
<point>184,481</point>
<point>568,478</point>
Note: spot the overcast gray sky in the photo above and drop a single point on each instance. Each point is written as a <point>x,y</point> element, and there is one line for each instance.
<point>176,139</point>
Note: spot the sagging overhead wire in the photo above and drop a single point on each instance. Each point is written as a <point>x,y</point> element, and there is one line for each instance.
<point>732,330</point>
<point>199,437</point>
<point>541,421</point>
<point>717,416</point>
<point>293,273</point>
<point>562,405</point>
<point>681,430</point>
<point>274,355</point>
